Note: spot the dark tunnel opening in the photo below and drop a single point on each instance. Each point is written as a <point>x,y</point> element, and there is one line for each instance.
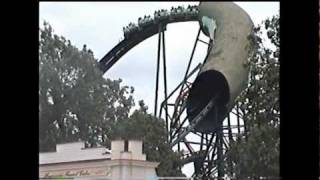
<point>207,85</point>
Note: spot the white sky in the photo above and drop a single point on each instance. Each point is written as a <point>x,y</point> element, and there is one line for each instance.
<point>99,26</point>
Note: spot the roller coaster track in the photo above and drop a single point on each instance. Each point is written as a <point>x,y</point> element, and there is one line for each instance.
<point>137,37</point>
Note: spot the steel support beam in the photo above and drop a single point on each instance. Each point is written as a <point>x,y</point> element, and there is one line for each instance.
<point>203,41</point>
<point>220,148</point>
<point>157,73</point>
<point>165,79</point>
<point>238,119</point>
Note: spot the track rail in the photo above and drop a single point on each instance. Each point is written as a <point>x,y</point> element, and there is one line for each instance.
<point>140,35</point>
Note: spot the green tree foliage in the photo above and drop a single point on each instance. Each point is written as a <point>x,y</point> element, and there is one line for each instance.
<point>75,101</point>
<point>143,126</point>
<point>257,154</point>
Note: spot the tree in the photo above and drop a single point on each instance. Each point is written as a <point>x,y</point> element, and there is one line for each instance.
<point>257,155</point>
<point>151,130</point>
<point>75,101</point>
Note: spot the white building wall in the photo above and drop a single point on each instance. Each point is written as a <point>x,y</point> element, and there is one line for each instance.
<point>135,147</point>
<point>117,147</point>
<point>72,160</point>
<point>69,147</point>
<point>72,152</point>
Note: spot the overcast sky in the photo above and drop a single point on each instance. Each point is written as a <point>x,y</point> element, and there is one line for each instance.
<point>99,26</point>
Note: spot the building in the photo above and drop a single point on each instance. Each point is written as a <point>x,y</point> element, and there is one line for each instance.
<point>72,160</point>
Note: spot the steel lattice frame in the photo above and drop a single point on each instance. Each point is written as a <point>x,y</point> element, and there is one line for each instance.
<point>210,160</point>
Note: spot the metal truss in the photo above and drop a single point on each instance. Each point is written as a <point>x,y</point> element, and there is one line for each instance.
<point>208,154</point>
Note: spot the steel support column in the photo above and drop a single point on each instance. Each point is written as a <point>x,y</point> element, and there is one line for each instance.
<point>157,73</point>
<point>165,80</point>
<point>229,129</point>
<point>238,119</point>
<point>230,140</point>
<point>220,147</point>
